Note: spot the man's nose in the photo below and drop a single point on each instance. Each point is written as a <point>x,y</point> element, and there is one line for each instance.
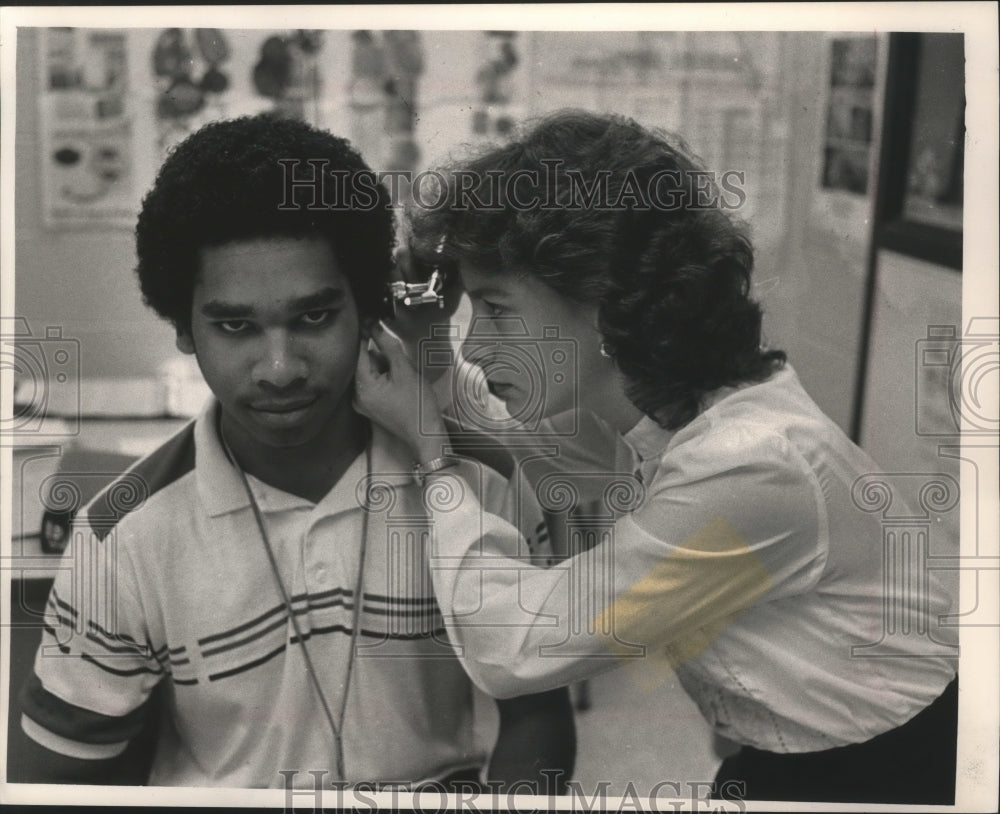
<point>280,364</point>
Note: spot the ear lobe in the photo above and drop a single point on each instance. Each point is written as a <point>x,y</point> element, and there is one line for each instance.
<point>184,341</point>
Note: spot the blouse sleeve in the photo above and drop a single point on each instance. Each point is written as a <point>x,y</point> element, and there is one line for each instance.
<point>727,522</point>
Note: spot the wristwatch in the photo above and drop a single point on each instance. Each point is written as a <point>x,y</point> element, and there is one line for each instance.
<point>421,471</point>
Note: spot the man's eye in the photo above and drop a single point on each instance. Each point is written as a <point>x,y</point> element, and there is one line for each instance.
<point>233,326</point>
<point>317,317</point>
<point>492,308</point>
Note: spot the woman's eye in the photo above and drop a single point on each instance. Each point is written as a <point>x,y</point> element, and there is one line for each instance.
<point>316,317</point>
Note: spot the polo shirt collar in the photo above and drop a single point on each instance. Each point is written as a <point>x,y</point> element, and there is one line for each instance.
<point>219,484</point>
<point>391,468</point>
<point>221,488</point>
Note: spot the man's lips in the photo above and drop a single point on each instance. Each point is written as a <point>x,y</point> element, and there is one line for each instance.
<point>281,412</point>
<point>288,406</point>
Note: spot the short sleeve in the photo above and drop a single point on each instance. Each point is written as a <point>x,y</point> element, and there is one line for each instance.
<point>95,667</point>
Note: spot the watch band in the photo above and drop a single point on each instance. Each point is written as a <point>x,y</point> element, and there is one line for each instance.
<point>421,471</point>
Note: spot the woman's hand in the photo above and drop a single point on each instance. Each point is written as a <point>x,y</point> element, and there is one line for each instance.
<point>389,390</point>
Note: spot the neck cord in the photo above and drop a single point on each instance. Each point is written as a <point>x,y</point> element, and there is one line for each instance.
<point>356,610</point>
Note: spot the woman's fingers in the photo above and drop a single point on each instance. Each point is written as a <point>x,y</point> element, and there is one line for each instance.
<point>365,366</point>
<point>363,376</point>
<point>383,366</point>
<point>390,345</point>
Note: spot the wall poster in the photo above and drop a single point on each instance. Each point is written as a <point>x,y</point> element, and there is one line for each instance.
<point>87,123</point>
<point>847,147</point>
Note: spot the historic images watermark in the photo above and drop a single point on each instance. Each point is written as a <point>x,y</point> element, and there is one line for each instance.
<point>957,376</point>
<point>311,185</point>
<point>956,414</point>
<point>88,604</point>
<point>315,790</point>
<point>907,561</point>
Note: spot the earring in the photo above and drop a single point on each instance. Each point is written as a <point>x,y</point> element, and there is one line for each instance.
<point>605,350</point>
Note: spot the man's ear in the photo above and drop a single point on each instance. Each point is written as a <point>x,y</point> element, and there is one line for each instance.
<point>184,341</point>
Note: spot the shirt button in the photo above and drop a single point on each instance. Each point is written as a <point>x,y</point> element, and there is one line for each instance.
<point>320,574</point>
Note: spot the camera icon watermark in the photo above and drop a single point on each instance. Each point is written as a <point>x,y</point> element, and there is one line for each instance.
<point>957,379</point>
<point>46,372</point>
<point>534,376</point>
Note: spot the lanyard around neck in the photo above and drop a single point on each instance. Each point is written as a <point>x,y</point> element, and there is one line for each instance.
<point>356,610</point>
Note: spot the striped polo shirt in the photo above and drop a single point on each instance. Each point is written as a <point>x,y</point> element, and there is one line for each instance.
<point>166,585</point>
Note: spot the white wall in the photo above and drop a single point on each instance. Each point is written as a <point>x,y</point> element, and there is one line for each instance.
<point>907,411</point>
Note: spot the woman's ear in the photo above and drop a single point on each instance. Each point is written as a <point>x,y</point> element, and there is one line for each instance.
<point>184,340</point>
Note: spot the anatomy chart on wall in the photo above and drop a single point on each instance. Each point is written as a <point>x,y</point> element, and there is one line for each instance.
<point>87,169</point>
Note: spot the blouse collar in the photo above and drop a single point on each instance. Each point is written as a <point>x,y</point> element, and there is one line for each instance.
<point>647,438</point>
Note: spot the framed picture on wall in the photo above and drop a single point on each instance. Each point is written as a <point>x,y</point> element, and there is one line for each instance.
<point>88,152</point>
<point>848,136</point>
<point>921,198</point>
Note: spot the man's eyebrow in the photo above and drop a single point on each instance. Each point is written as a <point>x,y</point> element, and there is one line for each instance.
<point>214,309</point>
<point>326,297</point>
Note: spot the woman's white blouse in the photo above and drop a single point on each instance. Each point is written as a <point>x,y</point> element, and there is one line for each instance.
<point>760,566</point>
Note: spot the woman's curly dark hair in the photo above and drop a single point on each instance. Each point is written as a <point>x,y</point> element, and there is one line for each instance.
<point>226,183</point>
<point>606,212</point>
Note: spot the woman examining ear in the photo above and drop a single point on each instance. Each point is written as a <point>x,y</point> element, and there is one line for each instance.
<point>606,274</point>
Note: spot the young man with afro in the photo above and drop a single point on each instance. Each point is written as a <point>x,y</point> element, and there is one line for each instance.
<point>260,608</point>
